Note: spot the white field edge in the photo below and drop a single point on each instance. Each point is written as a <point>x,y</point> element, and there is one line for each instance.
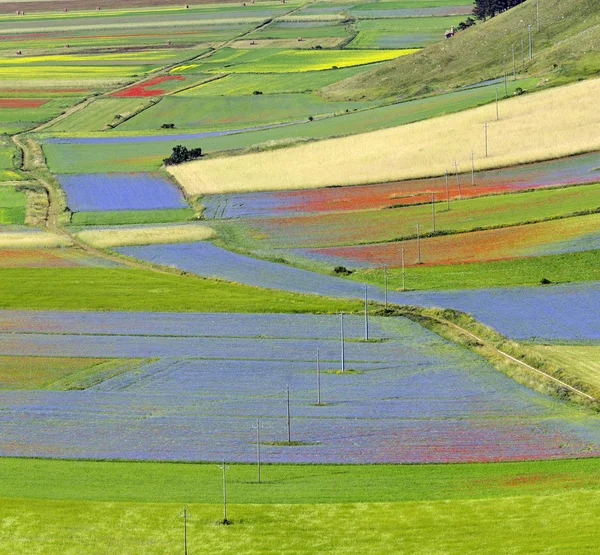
<point>121,237</point>
<point>538,126</point>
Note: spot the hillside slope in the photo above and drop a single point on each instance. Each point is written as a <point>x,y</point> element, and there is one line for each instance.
<point>566,48</point>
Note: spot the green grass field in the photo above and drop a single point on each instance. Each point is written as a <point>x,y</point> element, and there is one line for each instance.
<point>582,361</point>
<point>15,120</point>
<point>270,83</point>
<point>98,114</point>
<point>233,112</point>
<point>78,158</point>
<point>558,268</point>
<point>100,507</point>
<point>312,60</point>
<point>138,289</point>
<point>12,206</point>
<point>122,217</point>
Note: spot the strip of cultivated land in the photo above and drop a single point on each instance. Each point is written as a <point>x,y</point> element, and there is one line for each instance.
<point>102,507</point>
<point>544,125</point>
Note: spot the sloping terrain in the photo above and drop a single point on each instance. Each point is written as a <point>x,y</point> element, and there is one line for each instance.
<point>566,48</point>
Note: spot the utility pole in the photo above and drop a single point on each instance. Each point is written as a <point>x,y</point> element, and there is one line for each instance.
<point>530,43</point>
<point>366,314</point>
<point>505,85</point>
<point>497,109</point>
<point>447,190</point>
<point>522,54</point>
<point>433,211</point>
<point>385,285</point>
<point>418,244</point>
<point>403,288</point>
<point>457,180</point>
<point>184,515</point>
<point>485,128</point>
<point>289,427</point>
<point>472,169</point>
<point>224,467</point>
<point>342,334</point>
<point>537,11</point>
<point>257,428</point>
<point>514,64</point>
<point>318,378</point>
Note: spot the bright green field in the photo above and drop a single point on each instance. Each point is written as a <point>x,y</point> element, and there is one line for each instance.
<point>95,507</point>
<point>137,289</point>
<point>582,361</point>
<point>292,61</point>
<point>78,158</point>
<point>558,268</point>
<point>14,120</point>
<point>372,226</point>
<point>232,112</point>
<point>528,524</point>
<point>12,206</point>
<point>116,217</point>
<point>96,115</point>
<point>270,83</point>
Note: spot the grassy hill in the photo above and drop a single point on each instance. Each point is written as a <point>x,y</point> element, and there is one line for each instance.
<point>566,48</point>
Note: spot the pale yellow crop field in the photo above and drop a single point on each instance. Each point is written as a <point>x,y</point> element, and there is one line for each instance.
<point>582,361</point>
<point>547,124</point>
<point>32,239</point>
<point>147,235</point>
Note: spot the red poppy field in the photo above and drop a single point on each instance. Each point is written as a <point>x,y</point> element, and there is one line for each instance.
<point>147,87</point>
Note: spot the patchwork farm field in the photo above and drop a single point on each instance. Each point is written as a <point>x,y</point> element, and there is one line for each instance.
<point>374,157</point>
<point>435,403</point>
<point>233,232</point>
<point>562,171</point>
<point>147,152</point>
<point>370,226</point>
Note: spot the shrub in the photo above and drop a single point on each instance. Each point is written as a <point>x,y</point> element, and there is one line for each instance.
<point>182,154</point>
<point>167,126</point>
<point>342,271</point>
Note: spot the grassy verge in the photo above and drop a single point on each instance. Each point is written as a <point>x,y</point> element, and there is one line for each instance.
<point>582,361</point>
<point>116,217</point>
<point>451,325</point>
<point>136,289</point>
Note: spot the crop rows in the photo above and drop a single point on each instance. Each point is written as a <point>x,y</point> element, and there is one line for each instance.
<point>554,237</point>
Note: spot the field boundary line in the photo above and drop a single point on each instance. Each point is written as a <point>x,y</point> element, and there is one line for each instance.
<point>512,358</point>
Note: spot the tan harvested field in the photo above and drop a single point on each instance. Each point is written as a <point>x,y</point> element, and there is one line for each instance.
<point>582,361</point>
<point>32,239</point>
<point>544,125</point>
<point>120,237</point>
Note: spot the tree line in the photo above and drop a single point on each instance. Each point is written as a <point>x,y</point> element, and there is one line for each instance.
<point>489,8</point>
